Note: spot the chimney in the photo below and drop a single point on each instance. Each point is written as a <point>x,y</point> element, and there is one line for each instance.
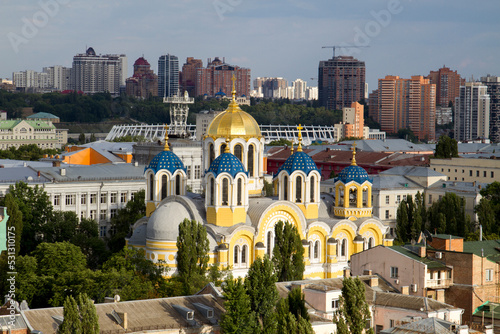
<point>63,171</point>
<point>56,163</point>
<point>124,317</point>
<point>367,272</point>
<point>373,281</point>
<point>422,252</point>
<point>405,290</point>
<point>347,272</point>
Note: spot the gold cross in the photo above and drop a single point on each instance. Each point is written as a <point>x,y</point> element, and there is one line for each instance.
<point>299,147</point>
<point>166,147</point>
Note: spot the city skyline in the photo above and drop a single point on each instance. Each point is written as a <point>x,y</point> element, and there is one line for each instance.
<point>405,37</point>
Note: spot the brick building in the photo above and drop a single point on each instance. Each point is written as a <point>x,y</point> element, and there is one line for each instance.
<point>447,83</point>
<point>188,74</point>
<point>216,77</point>
<point>144,82</point>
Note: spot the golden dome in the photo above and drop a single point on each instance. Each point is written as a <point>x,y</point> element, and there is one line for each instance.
<point>234,122</point>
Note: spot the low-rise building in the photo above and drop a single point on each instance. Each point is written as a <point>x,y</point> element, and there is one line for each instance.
<point>14,133</point>
<point>483,170</point>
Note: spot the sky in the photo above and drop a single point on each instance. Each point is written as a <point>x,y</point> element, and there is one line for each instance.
<point>274,38</point>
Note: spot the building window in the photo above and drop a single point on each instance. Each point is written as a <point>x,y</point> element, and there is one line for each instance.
<point>484,173</point>
<point>343,248</point>
<point>151,186</point>
<point>489,275</point>
<point>177,184</point>
<point>269,243</point>
<point>398,199</point>
<point>470,172</point>
<point>57,200</point>
<point>83,199</point>
<point>114,197</point>
<point>394,272</point>
<point>313,182</point>
<point>188,172</point>
<point>93,214</point>
<point>212,190</point>
<point>236,255</point>
<point>492,174</point>
<point>163,186</point>
<point>123,197</point>
<point>335,303</point>
<point>316,250</point>
<point>93,198</point>
<point>298,189</point>
<point>244,251</point>
<point>104,197</point>
<point>477,173</point>
<point>225,191</point>
<point>387,199</point>
<point>430,199</point>
<point>386,214</point>
<point>70,199</point>
<point>103,215</point>
<point>238,152</point>
<point>212,152</point>
<point>240,191</point>
<point>251,150</point>
<point>102,231</point>
<point>197,172</point>
<point>285,188</point>
<point>112,213</point>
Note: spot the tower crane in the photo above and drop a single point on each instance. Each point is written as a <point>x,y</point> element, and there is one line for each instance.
<point>343,47</point>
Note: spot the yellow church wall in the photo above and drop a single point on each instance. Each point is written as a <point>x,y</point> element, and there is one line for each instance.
<point>293,218</point>
<point>371,227</point>
<point>310,211</point>
<point>225,216</point>
<point>315,275</point>
<point>351,234</point>
<point>335,274</point>
<point>247,240</point>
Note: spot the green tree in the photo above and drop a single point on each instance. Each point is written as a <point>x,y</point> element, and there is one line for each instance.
<point>448,216</point>
<point>281,142</point>
<point>15,220</point>
<point>492,193</point>
<point>292,314</point>
<point>72,324</point>
<point>407,134</point>
<point>268,189</point>
<point>81,138</point>
<point>192,255</point>
<point>486,216</point>
<point>239,317</point>
<point>353,312</point>
<point>88,315</point>
<point>446,148</point>
<point>55,258</point>
<point>288,252</point>
<point>261,287</point>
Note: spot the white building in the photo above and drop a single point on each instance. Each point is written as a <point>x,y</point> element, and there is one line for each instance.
<point>299,89</point>
<point>14,133</point>
<point>30,79</point>
<point>58,77</point>
<point>472,112</point>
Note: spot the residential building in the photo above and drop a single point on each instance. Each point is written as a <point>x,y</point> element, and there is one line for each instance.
<point>272,88</point>
<point>168,75</point>
<point>217,77</point>
<point>144,82</point>
<point>7,85</point>
<point>311,93</point>
<point>188,75</point>
<point>354,122</point>
<point>14,133</point>
<point>472,112</point>
<point>407,104</point>
<point>417,325</point>
<point>479,170</point>
<point>444,115</point>
<point>186,314</point>
<point>299,89</point>
<point>58,77</point>
<point>30,81</point>
<point>203,120</point>
<point>447,83</point>
<point>341,81</point>
<point>92,73</point>
<point>493,84</point>
<point>96,192</point>
<point>373,106</point>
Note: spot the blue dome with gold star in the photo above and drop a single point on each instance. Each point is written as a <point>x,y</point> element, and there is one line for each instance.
<point>166,160</point>
<point>298,161</point>
<point>227,163</point>
<point>353,173</point>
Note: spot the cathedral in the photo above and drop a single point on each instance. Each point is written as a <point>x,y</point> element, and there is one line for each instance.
<point>240,220</point>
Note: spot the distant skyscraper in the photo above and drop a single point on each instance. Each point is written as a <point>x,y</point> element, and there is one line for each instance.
<point>168,75</point>
<point>299,89</point>
<point>354,121</point>
<point>276,88</point>
<point>93,73</point>
<point>30,81</point>
<point>216,77</point>
<point>472,112</point>
<point>341,81</point>
<point>58,77</point>
<point>144,82</point>
<point>407,104</point>
<point>493,84</point>
<point>188,74</point>
<point>447,83</point>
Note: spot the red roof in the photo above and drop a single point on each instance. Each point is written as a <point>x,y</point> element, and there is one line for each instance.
<point>141,61</point>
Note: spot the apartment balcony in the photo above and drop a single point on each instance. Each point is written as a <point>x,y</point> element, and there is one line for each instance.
<point>442,283</point>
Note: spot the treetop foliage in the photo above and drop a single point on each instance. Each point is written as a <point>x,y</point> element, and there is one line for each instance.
<point>353,311</point>
<point>446,148</point>
<point>288,252</point>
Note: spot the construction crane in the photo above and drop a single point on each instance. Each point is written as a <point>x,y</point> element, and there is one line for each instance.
<point>343,47</point>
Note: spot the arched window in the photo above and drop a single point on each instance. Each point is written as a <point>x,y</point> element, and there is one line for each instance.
<point>236,254</point>
<point>310,250</point>
<point>222,148</point>
<point>285,188</point>
<point>353,197</point>
<point>177,184</point>
<point>371,242</point>
<point>343,251</point>
<point>225,191</point>
<point>238,151</point>
<point>240,191</point>
<point>298,189</point>
<point>365,197</point>
<point>163,186</point>
<point>151,184</point>
<point>270,243</point>
<point>338,247</point>
<point>212,152</point>
<point>251,153</point>
<point>244,251</point>
<point>313,184</point>
<point>316,250</point>
<point>341,196</point>
<point>212,191</point>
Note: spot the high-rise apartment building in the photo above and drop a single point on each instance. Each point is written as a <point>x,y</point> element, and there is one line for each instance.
<point>92,73</point>
<point>472,112</point>
<point>373,105</point>
<point>216,77</point>
<point>188,74</point>
<point>144,82</point>
<point>168,75</point>
<point>493,84</point>
<point>30,80</point>
<point>354,121</point>
<point>447,83</point>
<point>272,88</point>
<point>341,81</point>
<point>407,104</point>
<point>299,89</point>
<point>58,77</point>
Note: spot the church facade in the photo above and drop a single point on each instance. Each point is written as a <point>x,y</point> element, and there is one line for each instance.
<point>239,220</point>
